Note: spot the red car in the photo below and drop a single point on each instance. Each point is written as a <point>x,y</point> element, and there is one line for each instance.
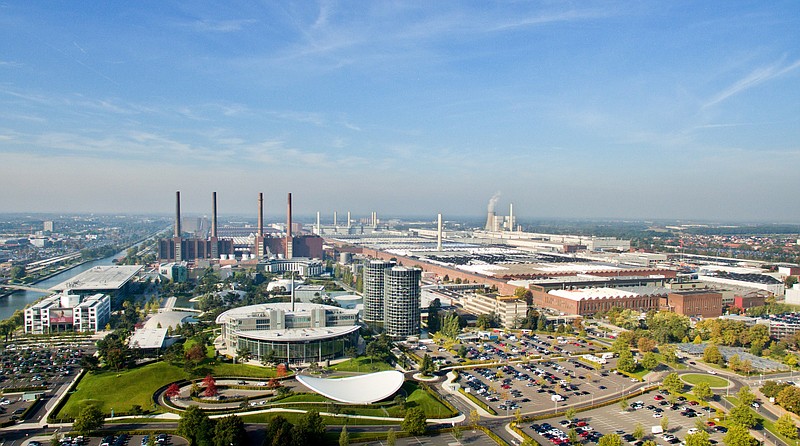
<point>710,424</point>
<point>658,397</point>
<point>581,423</point>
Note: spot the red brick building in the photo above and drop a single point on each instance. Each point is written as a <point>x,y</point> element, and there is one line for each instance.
<point>700,303</point>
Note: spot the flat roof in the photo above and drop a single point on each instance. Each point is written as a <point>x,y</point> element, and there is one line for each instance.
<point>286,307</point>
<point>362,389</point>
<point>148,338</point>
<point>100,278</point>
<point>298,334</point>
<point>605,292</point>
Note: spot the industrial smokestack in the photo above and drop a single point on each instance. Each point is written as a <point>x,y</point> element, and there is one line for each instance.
<point>348,219</point>
<point>491,221</point>
<point>334,218</point>
<point>319,229</point>
<point>439,234</point>
<point>213,214</point>
<point>177,213</point>
<point>289,227</point>
<point>260,214</point>
<point>511,217</point>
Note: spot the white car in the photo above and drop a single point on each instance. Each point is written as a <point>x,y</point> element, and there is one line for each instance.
<point>657,415</point>
<point>755,404</point>
<point>692,430</point>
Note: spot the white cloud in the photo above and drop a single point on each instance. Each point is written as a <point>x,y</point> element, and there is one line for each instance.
<point>754,78</point>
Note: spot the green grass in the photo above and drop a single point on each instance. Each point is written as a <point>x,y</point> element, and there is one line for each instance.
<point>713,381</point>
<point>244,370</point>
<point>121,391</point>
<point>419,397</point>
<point>361,364</point>
<point>764,422</point>
<point>303,398</point>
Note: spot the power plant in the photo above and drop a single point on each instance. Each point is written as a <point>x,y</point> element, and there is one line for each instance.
<point>215,248</point>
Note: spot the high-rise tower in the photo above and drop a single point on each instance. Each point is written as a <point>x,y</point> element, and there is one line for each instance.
<point>373,289</point>
<point>401,294</point>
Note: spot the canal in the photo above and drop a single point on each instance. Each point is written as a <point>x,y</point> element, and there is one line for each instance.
<point>21,299</point>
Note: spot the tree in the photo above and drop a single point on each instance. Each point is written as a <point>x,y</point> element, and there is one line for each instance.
<point>426,367</point>
<point>623,404</point>
<point>650,361</point>
<point>344,439</point>
<point>196,427</point>
<point>414,422</point>
<point>89,419</point>
<point>739,436</point>
<point>638,431</point>
<point>573,437</point>
<point>786,427</point>
<point>625,361</point>
<point>702,391</point>
<point>17,272</point>
<point>700,438</point>
<point>712,355</point>
<point>244,354</point>
<point>610,440</point>
<point>309,430</point>
<point>391,437</point>
<point>646,344</point>
<point>673,384</point>
<point>664,422</point>
<point>278,432</point>
<point>742,415</point>
<point>229,431</point>
<point>789,398</point>
<point>669,353</point>
<point>172,391</point>
<point>211,386</point>
<point>746,396</point>
<point>570,413</point>
<point>55,440</point>
<point>474,418</point>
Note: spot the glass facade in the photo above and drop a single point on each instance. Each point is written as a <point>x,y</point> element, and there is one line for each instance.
<point>300,351</point>
<point>373,289</point>
<point>401,301</point>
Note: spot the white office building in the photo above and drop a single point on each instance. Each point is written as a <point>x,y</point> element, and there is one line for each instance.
<point>68,312</point>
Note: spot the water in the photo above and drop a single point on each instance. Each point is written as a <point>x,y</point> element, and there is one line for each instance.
<point>21,299</point>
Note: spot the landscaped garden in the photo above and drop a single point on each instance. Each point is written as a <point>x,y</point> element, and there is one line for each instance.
<point>712,381</point>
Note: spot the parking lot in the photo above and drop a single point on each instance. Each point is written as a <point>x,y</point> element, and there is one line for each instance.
<point>111,440</point>
<point>26,367</point>
<point>647,410</point>
<point>540,384</point>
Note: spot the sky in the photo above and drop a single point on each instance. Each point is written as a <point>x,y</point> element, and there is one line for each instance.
<point>567,109</point>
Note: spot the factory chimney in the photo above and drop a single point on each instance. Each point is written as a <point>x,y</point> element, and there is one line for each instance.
<point>177,213</point>
<point>319,229</point>
<point>334,219</point>
<point>348,219</point>
<point>260,214</point>
<point>289,227</point>
<point>439,234</point>
<point>213,214</point>
<point>511,217</point>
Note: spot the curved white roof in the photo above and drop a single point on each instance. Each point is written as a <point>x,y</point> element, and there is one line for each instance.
<point>362,389</point>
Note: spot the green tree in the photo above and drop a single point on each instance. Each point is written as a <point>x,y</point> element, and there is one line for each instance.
<point>739,436</point>
<point>702,391</point>
<point>786,427</point>
<point>712,355</point>
<point>344,438</point>
<point>89,419</point>
<point>742,415</point>
<point>573,437</point>
<point>664,422</point>
<point>229,431</point>
<point>55,440</point>
<point>649,361</point>
<point>746,396</point>
<point>673,384</point>
<point>625,361</point>
<point>623,404</point>
<point>278,432</point>
<point>649,443</point>
<point>196,427</point>
<point>391,437</point>
<point>414,422</point>
<point>309,430</point>
<point>698,439</point>
<point>17,272</point>
<point>570,413</point>
<point>427,366</point>
<point>638,431</point>
<point>789,398</point>
<point>610,440</point>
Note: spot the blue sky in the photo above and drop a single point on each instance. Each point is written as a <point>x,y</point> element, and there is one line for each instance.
<point>568,109</point>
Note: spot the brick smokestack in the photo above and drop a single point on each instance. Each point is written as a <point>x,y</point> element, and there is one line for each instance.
<point>177,213</point>
<point>289,227</point>
<point>213,214</point>
<point>260,214</point>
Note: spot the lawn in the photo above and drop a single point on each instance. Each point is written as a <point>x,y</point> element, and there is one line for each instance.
<point>713,381</point>
<point>121,391</point>
<point>764,422</point>
<point>361,364</point>
<point>243,370</point>
<point>263,418</point>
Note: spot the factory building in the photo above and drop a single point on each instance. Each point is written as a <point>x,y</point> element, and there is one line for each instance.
<point>509,309</point>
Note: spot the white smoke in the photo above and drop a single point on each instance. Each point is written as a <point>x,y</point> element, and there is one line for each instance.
<point>493,201</point>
